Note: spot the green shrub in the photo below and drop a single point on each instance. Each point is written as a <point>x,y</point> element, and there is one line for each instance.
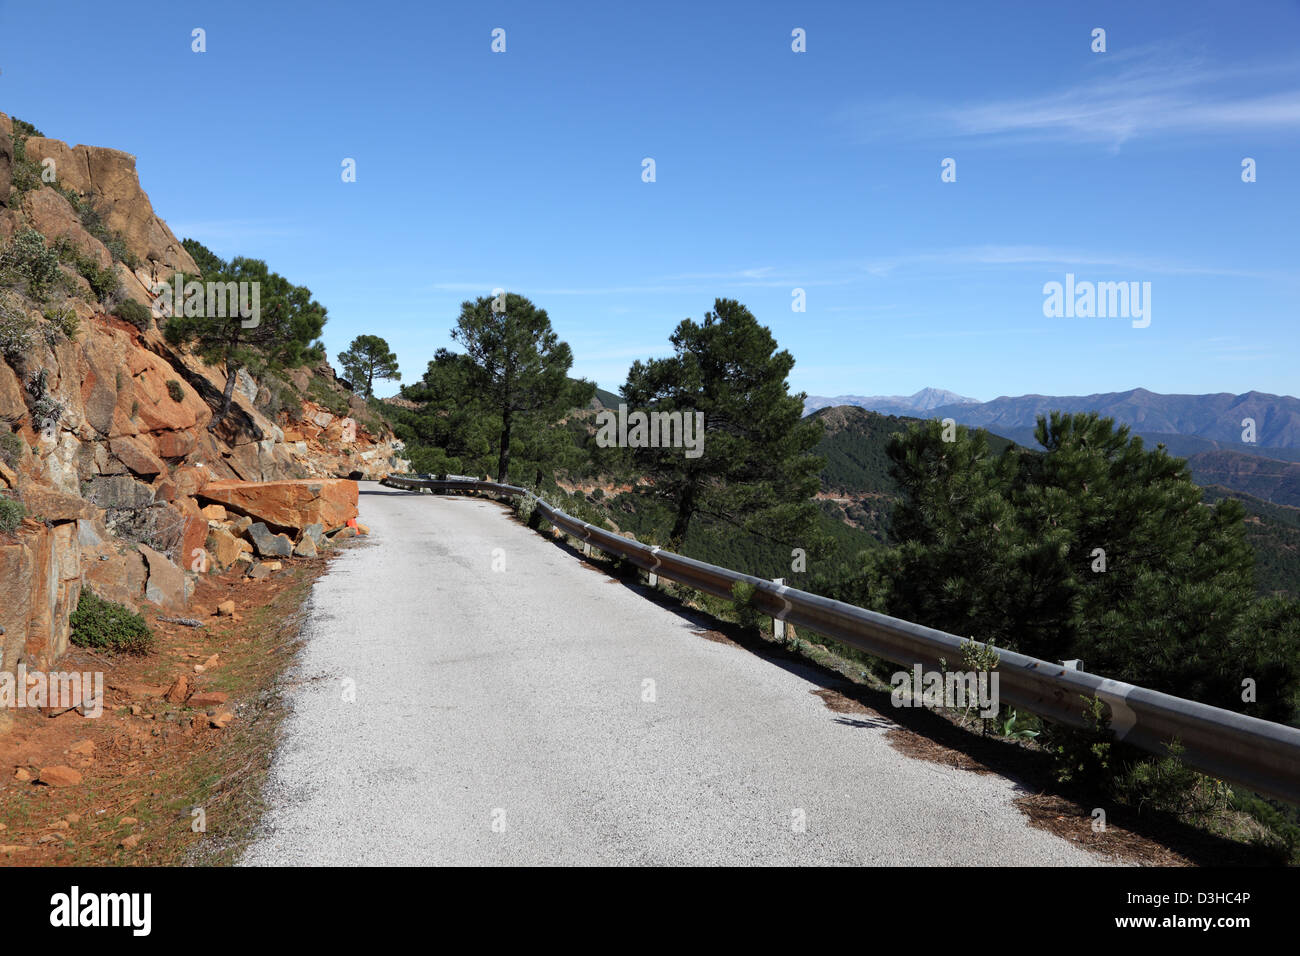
<point>102,624</point>
<point>94,224</point>
<point>17,328</point>
<point>1168,785</point>
<point>65,321</point>
<point>11,513</point>
<point>103,282</point>
<point>1081,756</point>
<point>11,448</point>
<point>24,129</point>
<point>28,259</point>
<point>175,391</point>
<point>131,311</point>
<point>742,603</point>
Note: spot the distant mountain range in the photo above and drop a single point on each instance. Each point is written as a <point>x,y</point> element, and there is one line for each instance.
<point>922,401</point>
<point>1187,424</point>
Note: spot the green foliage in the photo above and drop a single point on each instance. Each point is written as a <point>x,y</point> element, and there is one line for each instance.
<point>17,328</point>
<point>11,513</point>
<point>1273,532</point>
<point>1282,820</point>
<point>94,224</point>
<point>175,390</point>
<point>23,129</point>
<point>104,282</point>
<point>742,604</point>
<point>26,174</point>
<point>1016,726</point>
<point>1167,785</point>
<point>285,332</point>
<point>1008,548</point>
<point>28,260</point>
<point>103,625</point>
<point>366,359</point>
<point>12,448</point>
<point>755,471</point>
<point>1081,756</point>
<point>323,395</point>
<point>498,405</point>
<point>65,321</point>
<point>209,262</point>
<point>518,368</point>
<point>131,311</point>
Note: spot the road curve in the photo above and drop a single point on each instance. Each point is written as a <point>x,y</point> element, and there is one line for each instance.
<point>504,717</point>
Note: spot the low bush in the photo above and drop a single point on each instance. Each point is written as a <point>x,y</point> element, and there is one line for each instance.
<point>65,321</point>
<point>131,311</point>
<point>11,448</point>
<point>104,625</point>
<point>175,391</point>
<point>11,513</point>
<point>26,258</point>
<point>17,328</point>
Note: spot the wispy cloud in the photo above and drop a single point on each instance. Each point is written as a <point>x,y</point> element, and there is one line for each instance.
<point>1170,92</point>
<point>1038,256</point>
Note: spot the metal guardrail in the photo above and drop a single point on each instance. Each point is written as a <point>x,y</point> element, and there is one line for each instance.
<point>1258,754</point>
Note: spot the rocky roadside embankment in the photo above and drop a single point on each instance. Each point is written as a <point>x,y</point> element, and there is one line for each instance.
<point>110,472</point>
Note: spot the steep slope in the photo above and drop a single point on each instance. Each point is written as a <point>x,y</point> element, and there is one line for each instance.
<point>106,437</point>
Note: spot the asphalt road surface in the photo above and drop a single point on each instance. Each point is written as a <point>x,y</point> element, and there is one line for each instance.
<point>470,693</point>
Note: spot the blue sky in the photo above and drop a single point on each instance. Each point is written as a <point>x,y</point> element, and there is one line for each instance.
<point>775,170</point>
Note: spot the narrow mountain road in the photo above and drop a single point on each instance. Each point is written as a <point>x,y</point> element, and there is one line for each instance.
<point>507,717</point>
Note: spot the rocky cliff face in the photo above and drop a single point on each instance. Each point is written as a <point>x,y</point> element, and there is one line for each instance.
<point>104,427</point>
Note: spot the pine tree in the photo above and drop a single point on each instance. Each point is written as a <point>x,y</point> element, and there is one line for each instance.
<point>369,358</point>
<point>755,471</point>
<point>285,331</point>
<point>518,368</point>
<point>1096,548</point>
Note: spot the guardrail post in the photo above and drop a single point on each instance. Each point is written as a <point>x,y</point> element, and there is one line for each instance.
<point>778,625</point>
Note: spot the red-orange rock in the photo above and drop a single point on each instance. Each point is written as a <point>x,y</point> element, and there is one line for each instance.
<point>137,456</point>
<point>208,698</point>
<point>59,776</point>
<point>292,504</point>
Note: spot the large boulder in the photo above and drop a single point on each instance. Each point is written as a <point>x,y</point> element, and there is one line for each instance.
<point>167,586</point>
<point>117,576</point>
<point>119,492</point>
<point>223,546</point>
<point>137,457</point>
<point>40,578</point>
<point>269,544</point>
<point>54,505</point>
<point>288,505</point>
